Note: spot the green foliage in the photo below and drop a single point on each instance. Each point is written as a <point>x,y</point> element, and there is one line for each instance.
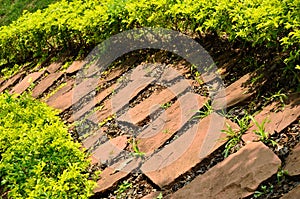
<point>122,188</point>
<point>205,111</point>
<point>264,190</point>
<point>166,105</point>
<point>136,151</point>
<point>38,157</point>
<point>84,23</point>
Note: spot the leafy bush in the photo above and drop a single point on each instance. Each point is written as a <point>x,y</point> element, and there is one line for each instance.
<point>84,23</point>
<point>38,157</point>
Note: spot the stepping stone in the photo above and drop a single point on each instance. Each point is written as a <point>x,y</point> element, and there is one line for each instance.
<point>236,93</point>
<point>165,126</point>
<point>110,149</point>
<point>75,66</point>
<point>92,139</point>
<point>52,68</point>
<point>293,194</point>
<point>187,151</point>
<point>292,164</point>
<point>110,176</point>
<point>238,176</point>
<point>45,84</point>
<point>11,81</point>
<point>102,114</point>
<point>69,85</point>
<point>62,102</point>
<point>276,121</point>
<point>150,105</point>
<point>26,82</point>
<point>90,105</point>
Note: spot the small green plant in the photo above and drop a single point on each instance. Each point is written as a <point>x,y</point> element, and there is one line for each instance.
<point>109,118</point>
<point>281,175</point>
<point>166,131</point>
<point>205,111</point>
<point>234,137</point>
<point>134,145</point>
<point>122,188</point>
<point>264,189</point>
<point>166,105</point>
<point>160,196</point>
<point>277,97</point>
<point>263,135</point>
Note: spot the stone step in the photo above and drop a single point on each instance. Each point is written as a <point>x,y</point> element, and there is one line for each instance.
<point>75,66</point>
<point>142,110</point>
<point>165,126</point>
<point>52,68</point>
<point>294,194</point>
<point>277,120</point>
<point>90,105</point>
<point>26,82</point>
<point>187,151</point>
<point>292,164</point>
<point>235,93</point>
<point>11,81</point>
<point>62,91</point>
<point>238,176</point>
<point>45,83</point>
<point>93,138</point>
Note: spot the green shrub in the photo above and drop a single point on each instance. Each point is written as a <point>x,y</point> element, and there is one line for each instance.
<point>38,157</point>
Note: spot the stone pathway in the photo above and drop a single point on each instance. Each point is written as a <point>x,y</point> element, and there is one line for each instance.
<point>159,135</point>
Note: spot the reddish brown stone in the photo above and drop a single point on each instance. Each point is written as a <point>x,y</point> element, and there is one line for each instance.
<point>238,176</point>
<point>294,194</point>
<point>69,85</point>
<point>151,104</point>
<point>187,151</point>
<point>102,114</point>
<point>62,102</point>
<point>26,82</point>
<point>75,66</point>
<point>110,176</point>
<point>276,121</point>
<point>90,105</point>
<point>53,67</point>
<point>11,81</point>
<point>92,139</point>
<point>163,128</point>
<point>45,84</point>
<point>237,92</point>
<point>110,149</point>
<point>293,162</point>
<point>1,81</point>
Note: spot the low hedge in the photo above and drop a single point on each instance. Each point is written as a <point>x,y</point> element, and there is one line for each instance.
<point>38,157</point>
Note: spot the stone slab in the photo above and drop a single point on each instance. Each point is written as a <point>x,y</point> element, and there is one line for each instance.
<point>293,194</point>
<point>153,103</point>
<point>110,149</point>
<point>292,164</point>
<point>92,139</point>
<point>45,84</point>
<point>69,85</point>
<point>238,176</point>
<point>75,66</point>
<point>11,81</point>
<point>187,151</point>
<point>52,68</point>
<point>26,82</point>
<point>163,128</point>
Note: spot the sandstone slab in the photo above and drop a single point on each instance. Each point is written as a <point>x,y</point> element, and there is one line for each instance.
<point>187,151</point>
<point>66,88</point>
<point>294,194</point>
<point>75,66</point>
<point>153,103</point>
<point>11,81</point>
<point>163,128</point>
<point>26,82</point>
<point>52,68</point>
<point>92,139</point>
<point>293,161</point>
<point>237,176</point>
<point>45,84</point>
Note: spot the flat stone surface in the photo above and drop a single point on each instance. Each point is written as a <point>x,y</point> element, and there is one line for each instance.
<point>75,66</point>
<point>292,164</point>
<point>153,103</point>
<point>293,194</point>
<point>110,176</point>
<point>90,105</point>
<point>235,93</point>
<point>62,102</point>
<point>187,151</point>
<point>92,139</point>
<point>52,68</point>
<point>110,149</point>
<point>276,121</point>
<point>45,84</point>
<point>11,81</point>
<point>102,114</point>
<point>26,82</point>
<point>238,176</point>
<point>163,128</point>
<point>69,85</point>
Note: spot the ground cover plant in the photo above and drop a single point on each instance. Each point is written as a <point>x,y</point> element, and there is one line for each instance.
<point>81,24</point>
<point>38,158</point>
